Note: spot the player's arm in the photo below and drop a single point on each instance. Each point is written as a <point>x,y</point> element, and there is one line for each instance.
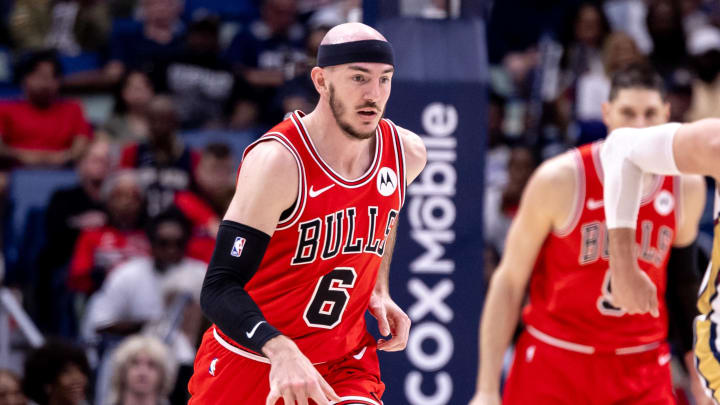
<point>545,203</point>
<point>628,152</point>
<point>391,319</point>
<point>267,185</point>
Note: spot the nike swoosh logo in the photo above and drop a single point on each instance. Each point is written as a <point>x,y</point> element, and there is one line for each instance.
<point>594,204</point>
<point>315,193</point>
<point>252,332</point>
<point>664,359</point>
<point>359,355</point>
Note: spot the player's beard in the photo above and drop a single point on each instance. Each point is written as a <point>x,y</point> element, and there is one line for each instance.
<point>338,109</point>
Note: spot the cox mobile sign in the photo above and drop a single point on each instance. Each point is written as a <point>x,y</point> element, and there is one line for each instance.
<point>436,273</point>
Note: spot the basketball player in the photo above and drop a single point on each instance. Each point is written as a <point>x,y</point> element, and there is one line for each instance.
<point>578,347</point>
<point>668,149</point>
<point>305,246</point>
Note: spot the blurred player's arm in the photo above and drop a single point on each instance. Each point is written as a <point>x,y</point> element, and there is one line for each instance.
<point>391,318</point>
<point>546,205</point>
<point>267,185</point>
<point>683,279</point>
<point>668,149</point>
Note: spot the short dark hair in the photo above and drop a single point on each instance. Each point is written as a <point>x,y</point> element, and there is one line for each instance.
<point>44,365</point>
<point>636,76</point>
<point>172,214</point>
<point>218,150</point>
<point>28,62</point>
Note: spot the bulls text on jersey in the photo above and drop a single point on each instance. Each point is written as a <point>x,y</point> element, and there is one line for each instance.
<point>594,243</point>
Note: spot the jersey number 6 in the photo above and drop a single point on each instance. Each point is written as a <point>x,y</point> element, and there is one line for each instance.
<point>330,298</point>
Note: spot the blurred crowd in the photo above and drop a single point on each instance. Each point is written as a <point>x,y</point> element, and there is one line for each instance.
<point>146,105</point>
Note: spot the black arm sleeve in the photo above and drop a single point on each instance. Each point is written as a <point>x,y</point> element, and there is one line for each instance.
<point>683,282</point>
<point>239,249</point>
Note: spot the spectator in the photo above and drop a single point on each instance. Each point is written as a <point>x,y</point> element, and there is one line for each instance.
<point>501,204</point>
<point>143,372</point>
<point>42,129</point>
<point>664,24</point>
<point>589,29</point>
<point>200,81</point>
<point>268,49</point>
<point>56,373</point>
<point>10,392</point>
<point>166,165</point>
<point>593,87</point>
<point>498,151</point>
<point>67,26</point>
<point>215,188</point>
<point>159,36</point>
<point>128,122</point>
<point>704,47</point>
<point>99,250</point>
<point>136,294</point>
<point>70,212</point>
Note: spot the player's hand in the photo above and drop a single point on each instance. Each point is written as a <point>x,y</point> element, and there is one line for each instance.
<point>633,290</point>
<point>292,377</point>
<point>483,398</point>
<point>391,321</point>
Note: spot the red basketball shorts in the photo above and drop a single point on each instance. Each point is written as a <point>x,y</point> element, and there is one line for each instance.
<point>545,374</point>
<point>225,374</point>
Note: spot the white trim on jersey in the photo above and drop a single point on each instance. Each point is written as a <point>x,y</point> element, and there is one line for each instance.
<point>579,348</point>
<point>398,139</point>
<point>365,401</point>
<point>579,202</point>
<point>333,175</point>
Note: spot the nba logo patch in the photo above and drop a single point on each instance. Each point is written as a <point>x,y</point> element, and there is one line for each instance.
<point>237,247</point>
<point>212,367</point>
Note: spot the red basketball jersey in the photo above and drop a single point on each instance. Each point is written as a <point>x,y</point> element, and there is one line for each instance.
<point>570,284</point>
<point>319,270</point>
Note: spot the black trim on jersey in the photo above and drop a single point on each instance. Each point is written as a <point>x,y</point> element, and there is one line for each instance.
<point>372,243</point>
<point>333,235</point>
<point>349,246</point>
<point>307,240</point>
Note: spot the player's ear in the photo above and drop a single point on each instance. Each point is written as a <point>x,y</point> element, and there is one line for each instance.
<point>666,110</point>
<point>606,113</point>
<point>318,76</point>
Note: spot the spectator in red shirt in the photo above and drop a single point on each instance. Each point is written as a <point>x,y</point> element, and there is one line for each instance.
<point>42,129</point>
<point>165,164</point>
<point>99,250</point>
<point>215,176</point>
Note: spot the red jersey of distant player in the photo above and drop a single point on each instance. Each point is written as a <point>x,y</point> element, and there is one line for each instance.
<point>316,277</point>
<point>570,288</point>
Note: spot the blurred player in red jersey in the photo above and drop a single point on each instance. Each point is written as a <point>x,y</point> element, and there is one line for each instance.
<point>577,346</point>
<point>305,246</point>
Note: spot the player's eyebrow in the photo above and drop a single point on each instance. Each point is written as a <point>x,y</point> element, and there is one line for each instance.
<point>364,70</point>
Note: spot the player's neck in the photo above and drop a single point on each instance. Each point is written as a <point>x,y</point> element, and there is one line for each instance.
<point>348,156</point>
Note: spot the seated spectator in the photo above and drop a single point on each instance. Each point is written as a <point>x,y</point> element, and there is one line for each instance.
<point>587,32</point>
<point>137,293</point>
<point>128,122</point>
<point>498,151</point>
<point>56,373</point>
<point>267,50</point>
<point>143,372</point>
<point>10,391</point>
<point>159,36</point>
<point>215,188</point>
<point>99,250</point>
<point>200,82</point>
<point>42,129</point>
<point>70,211</point>
<point>166,165</point>
<point>501,204</point>
<point>665,26</point>
<point>67,26</point>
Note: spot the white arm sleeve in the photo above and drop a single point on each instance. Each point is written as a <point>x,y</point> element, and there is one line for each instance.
<point>626,154</point>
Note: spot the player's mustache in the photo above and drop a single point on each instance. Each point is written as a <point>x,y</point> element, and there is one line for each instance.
<point>369,105</point>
